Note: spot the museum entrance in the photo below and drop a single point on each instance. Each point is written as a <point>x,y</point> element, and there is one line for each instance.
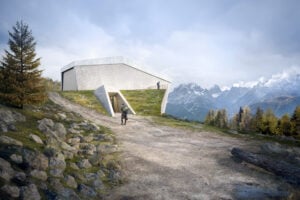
<point>115,101</point>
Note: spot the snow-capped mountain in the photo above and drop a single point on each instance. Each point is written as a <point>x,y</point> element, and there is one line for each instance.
<point>281,93</point>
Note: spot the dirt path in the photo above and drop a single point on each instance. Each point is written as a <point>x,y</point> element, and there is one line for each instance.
<point>168,163</point>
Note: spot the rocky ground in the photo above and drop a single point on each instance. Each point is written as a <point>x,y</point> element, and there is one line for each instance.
<point>47,152</point>
<point>167,163</point>
<point>64,152</point>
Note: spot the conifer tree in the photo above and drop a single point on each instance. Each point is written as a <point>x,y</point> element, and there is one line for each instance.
<point>269,123</point>
<point>210,117</point>
<point>257,121</point>
<point>284,125</point>
<point>245,119</point>
<point>295,121</point>
<point>20,79</point>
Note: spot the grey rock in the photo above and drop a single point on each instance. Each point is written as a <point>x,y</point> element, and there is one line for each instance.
<point>73,141</point>
<point>55,184</point>
<point>88,138</point>
<point>10,191</point>
<point>57,165</point>
<point>87,149</point>
<point>45,124</point>
<point>3,127</point>
<point>86,191</point>
<point>70,181</point>
<point>107,149</point>
<point>100,173</point>
<point>9,117</point>
<point>6,171</point>
<point>74,131</point>
<point>84,164</point>
<point>35,160</point>
<point>66,193</point>
<point>62,116</point>
<point>67,147</point>
<point>96,158</point>
<point>41,175</point>
<point>36,138</point>
<point>91,176</point>
<point>249,191</point>
<point>10,141</point>
<point>74,166</point>
<point>30,192</point>
<point>16,158</point>
<point>98,184</point>
<point>68,154</point>
<point>60,130</point>
<point>11,127</point>
<point>20,179</point>
<point>89,126</point>
<point>74,126</point>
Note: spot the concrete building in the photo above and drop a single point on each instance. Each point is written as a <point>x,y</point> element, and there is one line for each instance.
<point>107,76</point>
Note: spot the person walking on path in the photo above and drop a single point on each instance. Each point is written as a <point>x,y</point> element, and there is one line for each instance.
<point>124,110</point>
<point>158,85</point>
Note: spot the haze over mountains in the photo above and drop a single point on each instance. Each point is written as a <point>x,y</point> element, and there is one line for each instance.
<point>281,93</point>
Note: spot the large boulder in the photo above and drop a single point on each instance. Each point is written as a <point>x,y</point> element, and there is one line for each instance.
<point>70,181</point>
<point>35,160</point>
<point>10,141</point>
<point>57,165</point>
<point>30,192</point>
<point>9,192</point>
<point>6,171</point>
<point>8,118</point>
<point>86,191</point>
<point>60,130</point>
<point>84,164</point>
<point>36,138</point>
<point>41,175</point>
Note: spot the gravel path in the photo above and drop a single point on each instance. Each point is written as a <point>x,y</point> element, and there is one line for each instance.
<point>167,163</point>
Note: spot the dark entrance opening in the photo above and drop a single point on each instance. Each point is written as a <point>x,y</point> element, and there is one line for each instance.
<point>114,99</point>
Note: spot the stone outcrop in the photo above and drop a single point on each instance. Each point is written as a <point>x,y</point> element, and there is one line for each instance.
<point>57,162</point>
<point>8,119</point>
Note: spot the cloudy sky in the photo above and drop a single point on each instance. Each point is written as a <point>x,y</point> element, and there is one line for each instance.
<point>203,41</point>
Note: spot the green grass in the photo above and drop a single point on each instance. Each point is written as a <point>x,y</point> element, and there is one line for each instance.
<point>85,98</point>
<point>145,102</point>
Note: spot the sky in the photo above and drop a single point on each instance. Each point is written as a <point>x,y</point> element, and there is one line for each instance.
<point>207,42</point>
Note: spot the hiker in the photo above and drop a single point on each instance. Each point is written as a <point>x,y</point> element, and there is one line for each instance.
<point>124,110</point>
<point>158,85</point>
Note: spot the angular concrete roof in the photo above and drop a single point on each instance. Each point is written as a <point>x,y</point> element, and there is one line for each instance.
<point>107,60</point>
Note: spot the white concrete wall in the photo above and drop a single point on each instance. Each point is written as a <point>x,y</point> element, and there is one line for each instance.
<point>69,80</point>
<point>115,77</point>
<point>102,94</point>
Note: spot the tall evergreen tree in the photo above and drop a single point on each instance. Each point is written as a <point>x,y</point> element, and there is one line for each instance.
<point>284,125</point>
<point>245,119</point>
<point>210,118</point>
<point>21,81</point>
<point>295,121</point>
<point>257,121</point>
<point>269,123</point>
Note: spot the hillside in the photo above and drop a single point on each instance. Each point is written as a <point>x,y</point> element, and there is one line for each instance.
<point>145,102</point>
<point>47,152</point>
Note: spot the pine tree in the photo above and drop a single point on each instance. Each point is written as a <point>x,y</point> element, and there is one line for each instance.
<point>269,125</point>
<point>284,125</point>
<point>20,79</point>
<point>245,119</point>
<point>210,118</point>
<point>257,121</point>
<point>295,121</point>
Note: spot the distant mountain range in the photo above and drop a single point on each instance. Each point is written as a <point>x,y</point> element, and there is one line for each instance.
<point>281,93</point>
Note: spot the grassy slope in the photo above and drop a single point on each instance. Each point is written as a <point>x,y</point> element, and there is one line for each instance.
<point>148,102</point>
<point>145,102</point>
<point>85,98</point>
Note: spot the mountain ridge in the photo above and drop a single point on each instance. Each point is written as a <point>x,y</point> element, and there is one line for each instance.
<point>279,93</point>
